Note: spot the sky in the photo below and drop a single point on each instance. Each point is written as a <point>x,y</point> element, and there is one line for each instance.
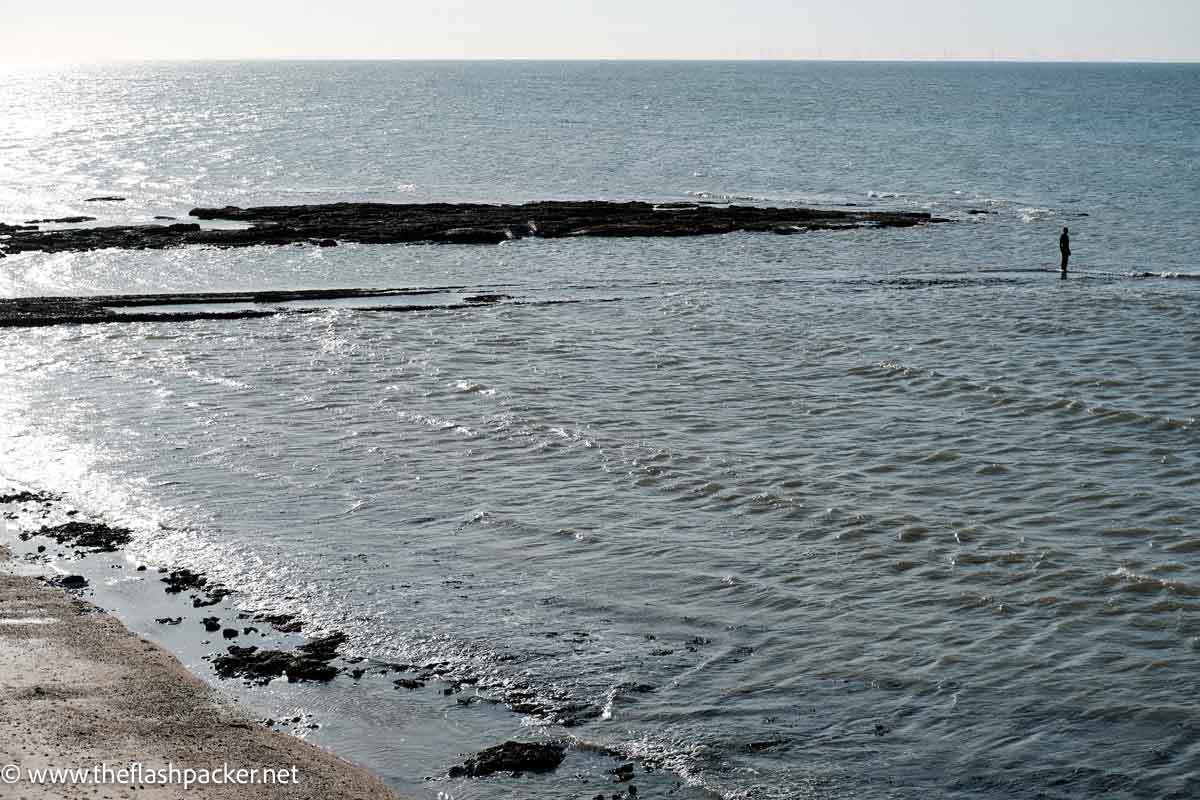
<point>1080,30</point>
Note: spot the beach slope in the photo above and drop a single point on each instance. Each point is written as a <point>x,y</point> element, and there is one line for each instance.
<point>78,690</point>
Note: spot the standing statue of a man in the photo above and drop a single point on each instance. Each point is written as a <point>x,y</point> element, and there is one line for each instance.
<point>1064,247</point>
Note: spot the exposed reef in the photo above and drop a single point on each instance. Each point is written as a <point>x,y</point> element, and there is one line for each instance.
<point>93,537</point>
<point>60,220</point>
<point>452,223</point>
<point>31,312</point>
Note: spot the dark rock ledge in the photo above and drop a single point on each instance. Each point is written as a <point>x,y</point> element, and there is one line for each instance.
<point>453,223</point>
<point>32,312</point>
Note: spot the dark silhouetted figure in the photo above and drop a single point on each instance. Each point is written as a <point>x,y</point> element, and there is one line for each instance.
<point>1064,247</point>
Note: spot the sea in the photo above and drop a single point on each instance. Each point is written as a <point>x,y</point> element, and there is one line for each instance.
<point>894,513</point>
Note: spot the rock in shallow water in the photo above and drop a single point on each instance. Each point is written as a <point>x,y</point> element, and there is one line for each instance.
<point>307,663</point>
<point>456,223</point>
<point>60,220</point>
<point>70,582</point>
<point>515,757</point>
<point>94,536</point>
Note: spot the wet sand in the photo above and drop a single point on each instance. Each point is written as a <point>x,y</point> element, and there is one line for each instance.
<point>77,690</point>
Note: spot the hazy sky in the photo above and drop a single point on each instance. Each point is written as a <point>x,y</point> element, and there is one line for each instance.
<point>69,30</point>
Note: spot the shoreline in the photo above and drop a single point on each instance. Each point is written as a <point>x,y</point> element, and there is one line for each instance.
<point>81,691</point>
<point>253,653</point>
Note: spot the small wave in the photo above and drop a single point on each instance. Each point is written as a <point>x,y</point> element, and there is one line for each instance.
<point>1034,214</point>
<point>216,380</point>
<point>723,197</point>
<point>470,387</point>
<point>1137,583</point>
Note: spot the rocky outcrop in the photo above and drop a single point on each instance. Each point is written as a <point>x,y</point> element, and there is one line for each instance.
<point>460,223</point>
<point>93,537</point>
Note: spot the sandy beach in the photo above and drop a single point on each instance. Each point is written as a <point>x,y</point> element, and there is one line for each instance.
<point>80,692</point>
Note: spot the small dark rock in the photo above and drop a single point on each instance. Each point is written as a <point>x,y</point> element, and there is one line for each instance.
<point>623,773</point>
<point>513,757</point>
<point>230,633</point>
<point>211,624</point>
<point>105,199</point>
<point>758,747</point>
<point>169,620</point>
<point>407,683</point>
<point>179,580</point>
<point>71,582</point>
<point>211,597</point>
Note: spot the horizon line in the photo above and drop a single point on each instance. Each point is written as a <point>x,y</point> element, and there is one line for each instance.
<point>993,59</point>
<point>632,60</point>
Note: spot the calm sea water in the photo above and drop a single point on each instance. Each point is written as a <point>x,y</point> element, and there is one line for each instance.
<point>900,503</point>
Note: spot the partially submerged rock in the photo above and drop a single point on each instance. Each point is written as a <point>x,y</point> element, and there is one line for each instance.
<point>179,580</point>
<point>70,582</point>
<point>60,220</point>
<point>94,536</point>
<point>514,757</point>
<point>132,308</point>
<point>455,223</point>
<point>262,666</point>
<point>309,661</point>
<point>25,496</point>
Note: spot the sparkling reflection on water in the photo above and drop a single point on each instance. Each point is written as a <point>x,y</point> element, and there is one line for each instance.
<point>930,532</point>
<point>908,515</point>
